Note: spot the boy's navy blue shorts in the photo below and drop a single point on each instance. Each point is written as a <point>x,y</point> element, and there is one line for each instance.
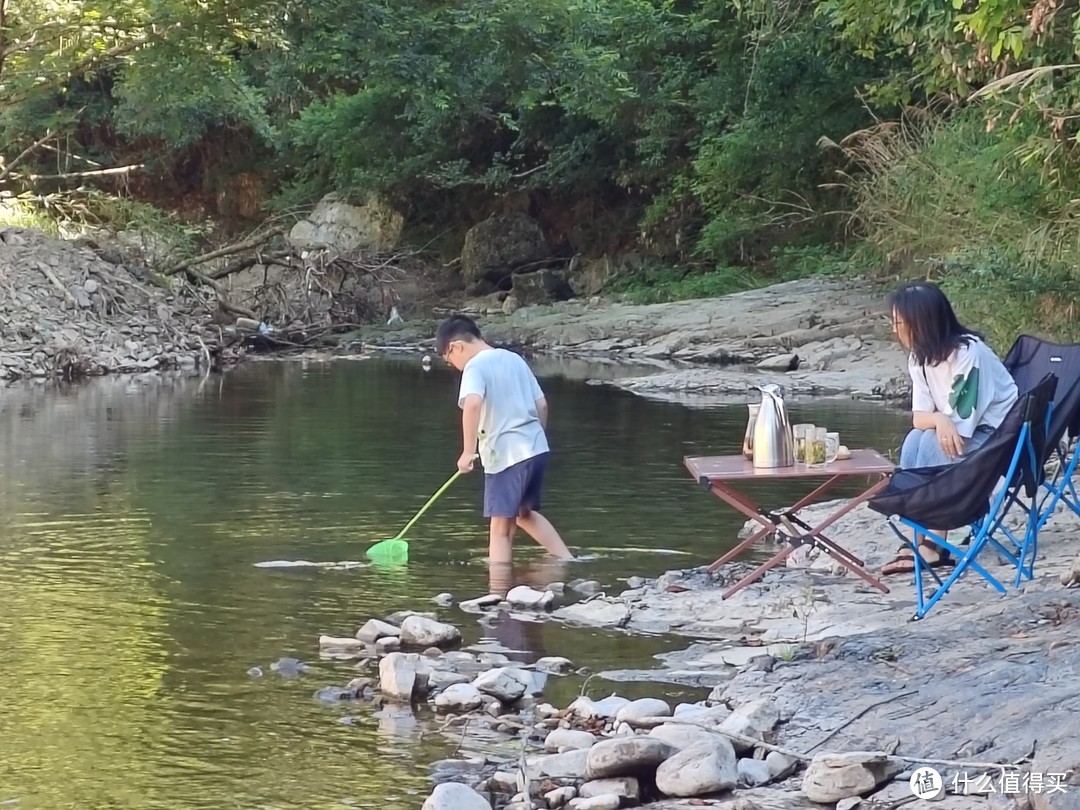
<point>517,487</point>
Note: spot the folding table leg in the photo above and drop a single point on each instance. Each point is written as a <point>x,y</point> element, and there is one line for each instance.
<point>745,506</point>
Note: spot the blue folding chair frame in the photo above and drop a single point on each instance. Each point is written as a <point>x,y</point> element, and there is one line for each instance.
<point>1024,473</point>
<point>1060,487</point>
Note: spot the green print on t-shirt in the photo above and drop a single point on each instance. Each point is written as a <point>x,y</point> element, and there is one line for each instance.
<point>965,394</point>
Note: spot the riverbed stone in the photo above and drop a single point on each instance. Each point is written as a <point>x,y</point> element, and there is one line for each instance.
<point>507,684</point>
<point>626,756</point>
<point>522,596</point>
<point>608,801</point>
<point>698,770</point>
<point>419,631</point>
<point>387,645</point>
<point>343,645</point>
<point>588,709</point>
<point>554,664</point>
<point>753,772</point>
<point>442,678</point>
<point>567,765</point>
<point>643,707</point>
<point>560,739</point>
<point>459,697</point>
<point>755,720</point>
<point>682,735</point>
<point>626,788</point>
<point>480,602</point>
<point>455,796</point>
<point>559,797</point>
<point>831,777</point>
<point>780,765</point>
<point>404,676</point>
<point>374,629</point>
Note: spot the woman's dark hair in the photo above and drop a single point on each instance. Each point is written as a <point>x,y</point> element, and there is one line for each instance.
<point>931,322</point>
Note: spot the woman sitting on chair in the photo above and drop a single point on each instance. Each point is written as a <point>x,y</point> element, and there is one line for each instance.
<point>960,392</point>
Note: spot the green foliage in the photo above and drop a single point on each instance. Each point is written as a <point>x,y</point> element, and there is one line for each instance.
<point>658,284</point>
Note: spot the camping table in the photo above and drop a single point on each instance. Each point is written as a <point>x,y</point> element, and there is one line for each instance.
<point>717,473</point>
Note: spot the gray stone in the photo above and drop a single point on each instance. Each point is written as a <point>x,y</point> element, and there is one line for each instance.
<point>699,770</point>
<point>607,802</point>
<point>679,735</point>
<point>554,664</point>
<point>441,678</point>
<point>459,697</point>
<point>480,602</point>
<point>387,645</point>
<point>643,707</point>
<point>753,772</point>
<point>780,766</point>
<point>418,631</point>
<point>523,596</point>
<point>754,720</point>
<point>404,676</point>
<point>344,228</point>
<point>559,797</point>
<point>625,787</point>
<point>832,777</point>
<point>507,684</point>
<point>455,796</point>
<point>779,362</point>
<point>568,739</point>
<point>626,756</point>
<point>333,644</point>
<point>587,709</point>
<point>499,245</point>
<point>443,599</point>
<point>569,765</point>
<point>374,629</point>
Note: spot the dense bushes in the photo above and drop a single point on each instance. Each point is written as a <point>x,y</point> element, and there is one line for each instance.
<point>688,130</point>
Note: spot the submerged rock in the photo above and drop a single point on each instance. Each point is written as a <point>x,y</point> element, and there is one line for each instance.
<point>491,600</point>
<point>554,664</point>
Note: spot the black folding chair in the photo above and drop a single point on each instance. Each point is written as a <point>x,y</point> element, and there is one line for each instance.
<point>1029,360</point>
<point>960,495</point>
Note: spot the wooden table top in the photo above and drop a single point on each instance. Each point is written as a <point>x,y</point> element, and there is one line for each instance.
<point>733,468</point>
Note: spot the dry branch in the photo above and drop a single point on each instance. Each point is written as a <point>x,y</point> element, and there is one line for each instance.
<point>23,154</point>
<point>81,175</point>
<point>228,250</point>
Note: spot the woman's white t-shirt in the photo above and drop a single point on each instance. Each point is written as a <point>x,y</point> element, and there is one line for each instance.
<point>972,387</point>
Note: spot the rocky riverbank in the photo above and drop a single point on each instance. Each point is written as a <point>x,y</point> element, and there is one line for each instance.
<point>75,308</point>
<point>817,336</point>
<point>823,693</point>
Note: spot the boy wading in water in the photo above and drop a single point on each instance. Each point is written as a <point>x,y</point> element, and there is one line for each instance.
<point>504,413</point>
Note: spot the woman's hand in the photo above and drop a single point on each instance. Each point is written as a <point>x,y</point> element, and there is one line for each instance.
<point>952,443</point>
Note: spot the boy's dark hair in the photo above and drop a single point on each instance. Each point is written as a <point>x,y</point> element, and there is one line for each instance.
<point>934,328</point>
<point>456,327</point>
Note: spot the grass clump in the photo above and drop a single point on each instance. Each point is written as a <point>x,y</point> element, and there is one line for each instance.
<point>979,210</point>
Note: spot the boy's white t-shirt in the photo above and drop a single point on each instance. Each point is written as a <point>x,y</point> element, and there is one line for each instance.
<point>510,429</point>
<point>972,388</point>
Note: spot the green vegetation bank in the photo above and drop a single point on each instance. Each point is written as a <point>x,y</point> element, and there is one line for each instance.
<point>728,143</point>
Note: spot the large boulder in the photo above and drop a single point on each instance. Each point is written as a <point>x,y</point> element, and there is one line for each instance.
<point>498,246</point>
<point>832,777</point>
<point>342,227</point>
<point>540,287</point>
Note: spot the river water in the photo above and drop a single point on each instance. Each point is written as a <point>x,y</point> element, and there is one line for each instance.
<point>137,515</point>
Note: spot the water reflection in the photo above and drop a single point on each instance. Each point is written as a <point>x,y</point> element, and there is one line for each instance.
<point>134,515</point>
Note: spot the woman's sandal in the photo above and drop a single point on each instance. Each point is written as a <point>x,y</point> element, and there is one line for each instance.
<point>904,562</point>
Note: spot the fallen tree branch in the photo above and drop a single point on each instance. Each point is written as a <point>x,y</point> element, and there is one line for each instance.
<point>249,261</point>
<point>223,299</point>
<point>228,250</point>
<point>24,154</point>
<point>80,175</point>
<point>45,271</point>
